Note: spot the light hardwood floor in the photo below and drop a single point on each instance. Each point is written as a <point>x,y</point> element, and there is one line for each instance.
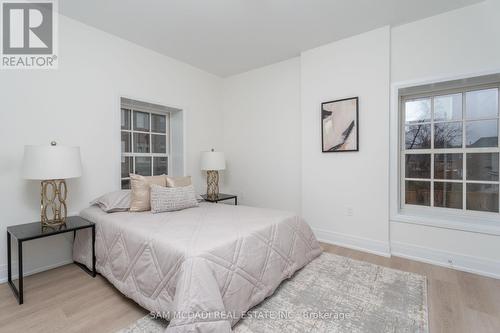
<point>66,299</point>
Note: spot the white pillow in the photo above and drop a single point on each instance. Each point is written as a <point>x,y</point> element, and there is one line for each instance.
<point>167,199</point>
<point>118,201</point>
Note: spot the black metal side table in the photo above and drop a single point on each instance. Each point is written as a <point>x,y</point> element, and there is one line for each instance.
<point>221,197</point>
<point>26,232</point>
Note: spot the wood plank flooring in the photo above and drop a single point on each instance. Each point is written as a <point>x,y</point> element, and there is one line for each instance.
<point>67,300</point>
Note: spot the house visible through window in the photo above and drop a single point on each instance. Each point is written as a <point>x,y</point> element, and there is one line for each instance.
<point>144,142</point>
<point>450,149</point>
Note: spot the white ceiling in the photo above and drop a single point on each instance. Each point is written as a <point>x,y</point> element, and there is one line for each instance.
<point>227,37</point>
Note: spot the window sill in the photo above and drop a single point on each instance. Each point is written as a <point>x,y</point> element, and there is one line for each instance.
<point>489,226</point>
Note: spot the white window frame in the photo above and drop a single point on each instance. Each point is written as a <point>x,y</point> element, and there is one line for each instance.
<point>449,218</point>
<point>133,154</point>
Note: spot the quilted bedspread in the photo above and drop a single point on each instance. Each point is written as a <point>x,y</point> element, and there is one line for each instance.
<point>202,267</point>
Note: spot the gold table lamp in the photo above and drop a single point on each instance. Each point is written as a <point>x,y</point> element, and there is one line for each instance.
<point>52,165</point>
<point>212,161</point>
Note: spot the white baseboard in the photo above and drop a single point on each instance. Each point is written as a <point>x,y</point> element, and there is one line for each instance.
<point>461,262</point>
<point>3,269</point>
<point>476,265</point>
<point>352,242</point>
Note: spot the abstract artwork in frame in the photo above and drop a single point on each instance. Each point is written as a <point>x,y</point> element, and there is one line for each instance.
<point>339,125</point>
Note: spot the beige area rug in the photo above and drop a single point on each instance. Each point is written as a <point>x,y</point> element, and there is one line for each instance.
<point>334,294</point>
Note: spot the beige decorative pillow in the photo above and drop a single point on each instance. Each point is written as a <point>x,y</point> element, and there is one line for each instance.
<point>178,181</point>
<point>140,186</point>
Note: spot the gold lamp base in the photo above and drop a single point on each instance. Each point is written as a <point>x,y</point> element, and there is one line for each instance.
<point>53,202</point>
<point>212,184</point>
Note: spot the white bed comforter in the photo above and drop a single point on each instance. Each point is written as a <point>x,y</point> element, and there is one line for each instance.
<point>203,267</point>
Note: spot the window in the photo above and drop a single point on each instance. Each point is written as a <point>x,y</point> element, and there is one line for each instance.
<point>450,149</point>
<point>144,143</point>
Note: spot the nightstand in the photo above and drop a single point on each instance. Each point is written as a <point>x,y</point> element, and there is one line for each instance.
<point>221,197</point>
<point>26,232</point>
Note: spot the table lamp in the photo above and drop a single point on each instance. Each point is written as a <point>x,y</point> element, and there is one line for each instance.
<point>212,162</point>
<point>52,165</point>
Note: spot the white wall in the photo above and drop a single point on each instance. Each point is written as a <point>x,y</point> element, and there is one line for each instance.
<point>262,136</point>
<point>461,42</point>
<point>272,112</point>
<point>452,44</point>
<point>78,104</point>
<point>333,183</point>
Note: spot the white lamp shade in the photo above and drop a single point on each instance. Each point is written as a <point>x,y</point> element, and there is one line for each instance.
<point>213,160</point>
<point>51,162</point>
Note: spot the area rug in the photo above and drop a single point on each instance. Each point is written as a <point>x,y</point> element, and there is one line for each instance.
<point>333,294</point>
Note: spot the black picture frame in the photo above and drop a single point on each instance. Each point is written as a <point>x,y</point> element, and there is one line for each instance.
<point>355,126</point>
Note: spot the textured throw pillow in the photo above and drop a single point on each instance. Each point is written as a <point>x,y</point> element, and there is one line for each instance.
<point>178,181</point>
<point>118,201</point>
<point>140,185</point>
<point>167,199</point>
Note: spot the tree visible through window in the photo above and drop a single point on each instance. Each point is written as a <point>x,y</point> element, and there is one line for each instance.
<point>450,149</point>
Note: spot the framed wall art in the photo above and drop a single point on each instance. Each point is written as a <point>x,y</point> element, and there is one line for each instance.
<point>339,125</point>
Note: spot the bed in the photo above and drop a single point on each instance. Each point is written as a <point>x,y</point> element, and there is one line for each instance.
<point>202,268</point>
